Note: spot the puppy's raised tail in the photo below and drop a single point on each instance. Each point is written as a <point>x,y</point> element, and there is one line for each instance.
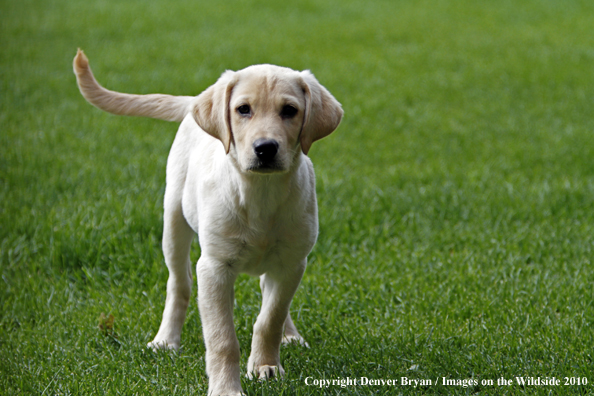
<point>163,107</point>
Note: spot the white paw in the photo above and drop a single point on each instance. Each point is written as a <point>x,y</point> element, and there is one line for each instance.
<point>290,339</point>
<point>265,372</point>
<point>213,393</point>
<point>226,389</point>
<point>162,345</point>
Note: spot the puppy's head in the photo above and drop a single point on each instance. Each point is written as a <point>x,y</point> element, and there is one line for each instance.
<point>265,115</point>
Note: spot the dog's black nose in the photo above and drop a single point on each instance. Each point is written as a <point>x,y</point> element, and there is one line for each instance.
<point>265,149</point>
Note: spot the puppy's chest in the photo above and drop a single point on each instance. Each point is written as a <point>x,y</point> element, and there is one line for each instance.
<point>252,246</point>
<point>252,233</point>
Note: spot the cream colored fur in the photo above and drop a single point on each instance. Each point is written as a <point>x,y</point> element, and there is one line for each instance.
<point>252,215</point>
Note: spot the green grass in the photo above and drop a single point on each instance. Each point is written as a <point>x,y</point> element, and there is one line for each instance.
<point>456,198</point>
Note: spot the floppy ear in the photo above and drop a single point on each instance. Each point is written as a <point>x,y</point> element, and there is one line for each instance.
<point>322,112</point>
<point>211,109</point>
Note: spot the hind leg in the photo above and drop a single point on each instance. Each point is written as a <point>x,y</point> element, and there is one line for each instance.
<point>177,239</point>
<point>290,330</point>
<point>291,333</point>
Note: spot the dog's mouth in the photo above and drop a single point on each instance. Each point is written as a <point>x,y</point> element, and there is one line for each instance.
<point>265,167</point>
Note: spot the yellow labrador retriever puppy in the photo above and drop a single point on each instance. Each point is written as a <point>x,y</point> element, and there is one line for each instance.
<point>237,175</point>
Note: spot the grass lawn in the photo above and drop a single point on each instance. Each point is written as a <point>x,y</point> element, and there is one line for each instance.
<point>456,198</point>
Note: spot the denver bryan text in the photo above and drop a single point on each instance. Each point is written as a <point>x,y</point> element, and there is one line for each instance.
<point>364,381</point>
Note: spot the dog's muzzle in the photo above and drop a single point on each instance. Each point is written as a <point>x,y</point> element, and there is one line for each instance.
<point>265,150</point>
<point>266,160</point>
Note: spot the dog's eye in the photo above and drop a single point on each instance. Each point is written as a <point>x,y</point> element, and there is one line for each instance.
<point>244,109</point>
<point>288,111</point>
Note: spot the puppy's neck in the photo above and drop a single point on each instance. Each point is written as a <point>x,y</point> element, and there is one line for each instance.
<point>260,195</point>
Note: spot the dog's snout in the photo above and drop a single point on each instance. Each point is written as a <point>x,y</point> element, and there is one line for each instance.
<point>265,149</point>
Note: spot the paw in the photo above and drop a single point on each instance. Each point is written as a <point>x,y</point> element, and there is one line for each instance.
<point>213,393</point>
<point>265,372</point>
<point>229,388</point>
<point>156,345</point>
<point>290,339</point>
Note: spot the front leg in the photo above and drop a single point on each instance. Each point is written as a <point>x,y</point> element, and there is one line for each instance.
<point>215,300</point>
<point>278,290</point>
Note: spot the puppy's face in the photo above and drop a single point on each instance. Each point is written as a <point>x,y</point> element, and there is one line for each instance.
<point>266,115</point>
